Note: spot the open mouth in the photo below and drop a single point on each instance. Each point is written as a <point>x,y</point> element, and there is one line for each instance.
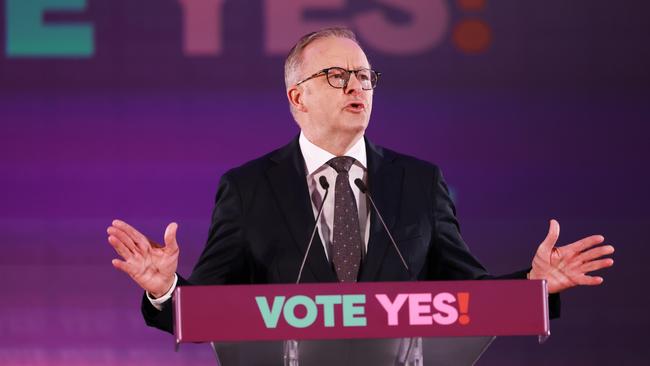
<point>355,107</point>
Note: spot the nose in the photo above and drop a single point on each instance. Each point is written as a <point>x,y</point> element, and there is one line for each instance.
<point>353,85</point>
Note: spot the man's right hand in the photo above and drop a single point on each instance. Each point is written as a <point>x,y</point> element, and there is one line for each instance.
<point>151,266</point>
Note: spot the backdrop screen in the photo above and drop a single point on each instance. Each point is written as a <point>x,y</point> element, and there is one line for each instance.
<point>134,109</point>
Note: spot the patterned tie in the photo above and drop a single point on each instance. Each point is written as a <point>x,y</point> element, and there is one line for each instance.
<point>346,242</point>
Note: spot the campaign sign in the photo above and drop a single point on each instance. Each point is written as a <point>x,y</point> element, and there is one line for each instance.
<point>360,310</point>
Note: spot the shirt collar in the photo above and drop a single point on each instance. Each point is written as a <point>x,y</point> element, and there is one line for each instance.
<point>315,157</point>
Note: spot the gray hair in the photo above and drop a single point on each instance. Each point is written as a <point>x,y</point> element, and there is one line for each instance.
<point>294,59</point>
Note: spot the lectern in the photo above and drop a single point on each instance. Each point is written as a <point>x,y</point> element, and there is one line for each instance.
<point>379,323</point>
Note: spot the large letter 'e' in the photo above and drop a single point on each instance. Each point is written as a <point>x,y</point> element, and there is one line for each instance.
<point>29,36</point>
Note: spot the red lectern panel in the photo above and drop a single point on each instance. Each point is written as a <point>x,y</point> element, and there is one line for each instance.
<point>360,310</point>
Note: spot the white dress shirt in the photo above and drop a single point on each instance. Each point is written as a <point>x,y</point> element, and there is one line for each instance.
<point>316,166</point>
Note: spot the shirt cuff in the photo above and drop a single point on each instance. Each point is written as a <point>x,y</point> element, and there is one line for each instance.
<point>158,303</point>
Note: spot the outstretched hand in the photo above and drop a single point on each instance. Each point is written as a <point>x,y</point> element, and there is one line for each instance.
<point>150,265</point>
<point>568,266</point>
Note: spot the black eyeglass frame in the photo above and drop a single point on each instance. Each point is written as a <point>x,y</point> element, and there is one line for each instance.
<point>349,73</point>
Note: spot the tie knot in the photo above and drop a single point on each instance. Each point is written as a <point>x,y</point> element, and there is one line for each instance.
<point>341,163</point>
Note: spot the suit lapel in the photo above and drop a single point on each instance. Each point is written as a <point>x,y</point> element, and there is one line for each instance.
<point>385,186</point>
<point>287,178</point>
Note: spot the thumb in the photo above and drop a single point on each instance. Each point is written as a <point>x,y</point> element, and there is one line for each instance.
<point>170,236</point>
<point>552,236</point>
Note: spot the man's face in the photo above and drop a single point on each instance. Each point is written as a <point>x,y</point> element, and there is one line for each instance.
<point>331,112</point>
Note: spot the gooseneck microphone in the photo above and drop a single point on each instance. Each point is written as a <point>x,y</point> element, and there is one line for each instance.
<point>364,189</point>
<point>326,186</point>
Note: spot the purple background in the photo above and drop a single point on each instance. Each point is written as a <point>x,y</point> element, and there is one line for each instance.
<point>549,122</point>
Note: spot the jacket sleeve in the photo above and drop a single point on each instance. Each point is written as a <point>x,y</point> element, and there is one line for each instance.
<point>223,260</point>
<point>450,257</point>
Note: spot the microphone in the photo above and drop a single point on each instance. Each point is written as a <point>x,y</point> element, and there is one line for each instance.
<point>364,189</point>
<point>326,186</point>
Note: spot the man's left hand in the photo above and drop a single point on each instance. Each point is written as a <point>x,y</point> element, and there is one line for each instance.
<point>568,266</point>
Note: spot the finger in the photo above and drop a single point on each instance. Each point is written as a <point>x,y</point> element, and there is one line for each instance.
<point>170,236</point>
<point>596,265</point>
<point>551,237</point>
<point>590,280</point>
<point>594,253</point>
<point>125,267</point>
<point>137,237</point>
<point>124,239</point>
<point>586,243</point>
<point>119,247</point>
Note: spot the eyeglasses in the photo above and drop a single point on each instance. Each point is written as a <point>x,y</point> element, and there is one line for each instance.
<point>338,77</point>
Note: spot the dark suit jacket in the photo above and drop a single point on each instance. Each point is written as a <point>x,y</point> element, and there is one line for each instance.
<point>263,218</point>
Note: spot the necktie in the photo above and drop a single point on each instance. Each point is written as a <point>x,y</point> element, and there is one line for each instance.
<point>346,241</point>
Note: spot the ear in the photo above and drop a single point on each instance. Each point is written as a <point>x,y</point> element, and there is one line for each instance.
<point>294,94</point>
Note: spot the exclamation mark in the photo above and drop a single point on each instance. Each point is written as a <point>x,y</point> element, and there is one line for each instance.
<point>472,35</point>
<point>463,307</point>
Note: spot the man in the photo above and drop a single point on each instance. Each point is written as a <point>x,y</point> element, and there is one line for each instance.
<point>263,213</point>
